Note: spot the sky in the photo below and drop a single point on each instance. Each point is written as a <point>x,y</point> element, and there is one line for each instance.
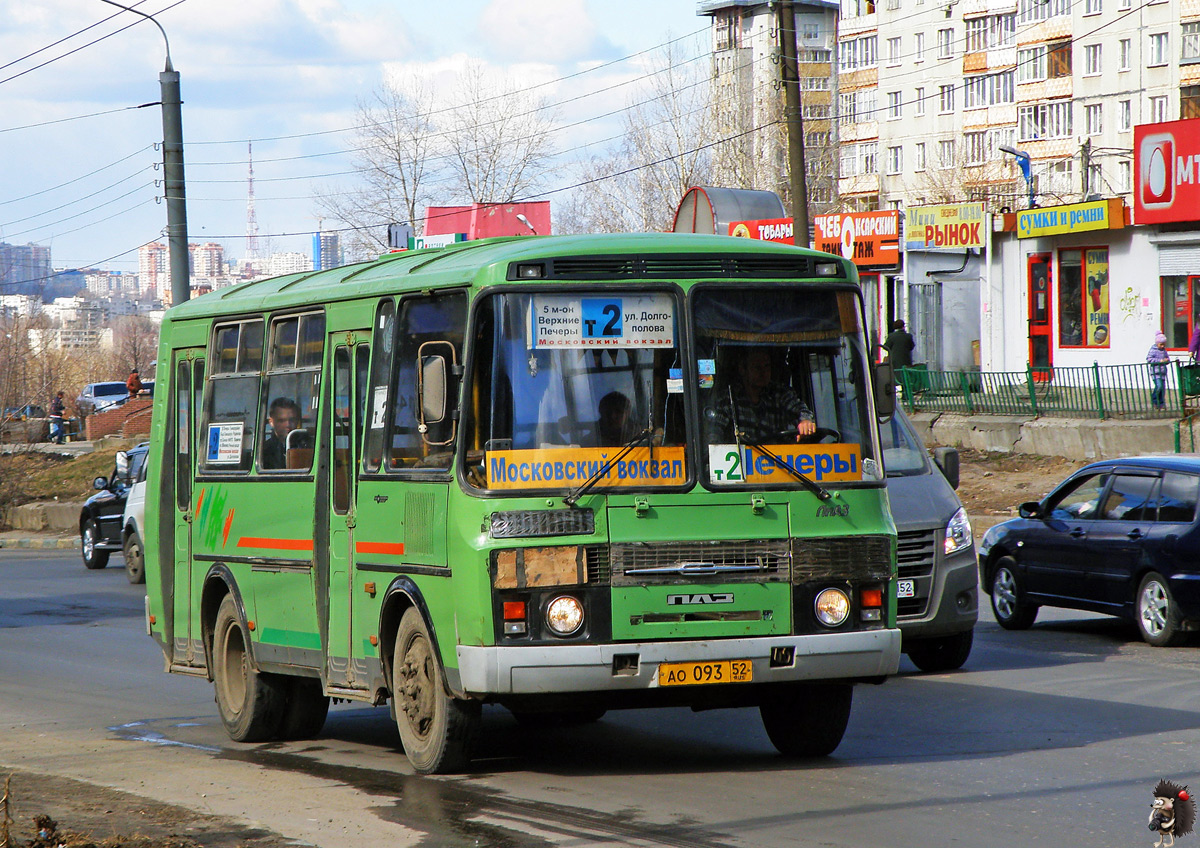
<point>81,129</point>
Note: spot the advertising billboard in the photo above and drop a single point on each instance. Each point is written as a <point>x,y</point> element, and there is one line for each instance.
<point>868,239</point>
<point>950,226</point>
<point>1166,167</point>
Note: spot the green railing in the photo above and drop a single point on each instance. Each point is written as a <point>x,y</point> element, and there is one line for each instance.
<point>1096,391</point>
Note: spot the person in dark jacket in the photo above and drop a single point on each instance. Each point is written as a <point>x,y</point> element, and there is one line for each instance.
<point>900,345</point>
<point>133,383</point>
<point>57,409</point>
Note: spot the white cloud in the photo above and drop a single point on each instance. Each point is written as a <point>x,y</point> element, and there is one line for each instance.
<point>546,30</point>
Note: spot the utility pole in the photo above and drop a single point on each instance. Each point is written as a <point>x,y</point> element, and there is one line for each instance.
<point>1085,161</point>
<point>173,183</point>
<point>795,122</point>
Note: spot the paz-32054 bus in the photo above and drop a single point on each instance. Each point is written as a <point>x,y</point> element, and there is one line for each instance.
<point>523,472</point>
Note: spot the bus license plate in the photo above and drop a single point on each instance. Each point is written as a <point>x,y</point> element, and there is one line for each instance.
<point>693,673</point>
<point>906,589</point>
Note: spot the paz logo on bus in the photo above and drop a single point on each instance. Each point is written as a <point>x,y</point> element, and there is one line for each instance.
<point>704,598</point>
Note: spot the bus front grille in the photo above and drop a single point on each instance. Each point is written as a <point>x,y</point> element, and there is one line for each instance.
<point>642,563</point>
<point>851,557</point>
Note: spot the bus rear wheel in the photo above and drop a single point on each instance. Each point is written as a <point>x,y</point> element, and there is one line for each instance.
<point>251,704</point>
<point>807,719</point>
<point>437,730</point>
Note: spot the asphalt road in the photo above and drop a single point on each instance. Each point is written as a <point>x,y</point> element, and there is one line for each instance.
<point>1052,736</point>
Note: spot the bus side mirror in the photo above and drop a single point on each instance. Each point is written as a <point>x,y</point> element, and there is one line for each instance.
<point>435,365</point>
<point>885,389</point>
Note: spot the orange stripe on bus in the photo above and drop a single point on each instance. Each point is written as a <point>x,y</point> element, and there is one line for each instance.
<point>275,544</point>
<point>228,524</point>
<point>393,548</point>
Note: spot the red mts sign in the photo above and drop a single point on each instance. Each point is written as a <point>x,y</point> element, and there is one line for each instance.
<point>866,238</point>
<point>1166,166</point>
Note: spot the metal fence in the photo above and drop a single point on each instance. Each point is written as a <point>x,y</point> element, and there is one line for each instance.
<point>1096,391</point>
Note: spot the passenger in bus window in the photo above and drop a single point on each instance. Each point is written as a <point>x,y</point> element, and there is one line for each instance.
<point>762,410</point>
<point>613,427</point>
<point>283,416</point>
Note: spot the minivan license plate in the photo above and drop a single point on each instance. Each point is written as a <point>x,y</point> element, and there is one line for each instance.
<point>693,673</point>
<point>906,588</point>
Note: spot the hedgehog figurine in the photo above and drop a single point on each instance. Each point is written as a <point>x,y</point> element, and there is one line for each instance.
<point>1172,814</point>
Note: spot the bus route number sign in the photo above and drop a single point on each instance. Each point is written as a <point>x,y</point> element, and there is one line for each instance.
<point>631,320</point>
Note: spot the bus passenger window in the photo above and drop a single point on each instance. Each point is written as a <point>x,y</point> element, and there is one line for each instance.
<point>231,417</point>
<point>292,384</point>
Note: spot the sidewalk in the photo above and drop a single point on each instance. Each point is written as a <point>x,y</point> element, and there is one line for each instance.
<point>12,539</point>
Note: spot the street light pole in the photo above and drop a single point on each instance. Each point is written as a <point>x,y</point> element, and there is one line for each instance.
<point>173,182</point>
<point>1026,166</point>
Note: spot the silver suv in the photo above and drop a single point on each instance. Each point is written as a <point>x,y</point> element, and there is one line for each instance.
<point>97,397</point>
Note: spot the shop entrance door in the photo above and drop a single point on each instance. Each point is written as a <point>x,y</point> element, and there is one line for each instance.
<point>1041,345</point>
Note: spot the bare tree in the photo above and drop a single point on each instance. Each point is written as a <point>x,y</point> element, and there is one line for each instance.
<point>135,344</point>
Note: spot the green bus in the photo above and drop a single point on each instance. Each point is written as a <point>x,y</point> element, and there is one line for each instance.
<point>530,472</point>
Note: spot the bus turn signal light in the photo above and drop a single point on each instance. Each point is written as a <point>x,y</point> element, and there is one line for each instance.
<point>872,598</point>
<point>514,610</point>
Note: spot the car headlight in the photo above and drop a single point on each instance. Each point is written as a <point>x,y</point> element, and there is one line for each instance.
<point>564,615</point>
<point>958,532</point>
<point>832,607</point>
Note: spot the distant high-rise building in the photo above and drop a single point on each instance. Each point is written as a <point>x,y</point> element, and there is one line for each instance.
<point>24,268</point>
<point>279,264</point>
<point>153,269</point>
<point>207,260</point>
<point>327,250</point>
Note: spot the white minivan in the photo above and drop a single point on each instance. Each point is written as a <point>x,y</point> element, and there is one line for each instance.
<point>131,528</point>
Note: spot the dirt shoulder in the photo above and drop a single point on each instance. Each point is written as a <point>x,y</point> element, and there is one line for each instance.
<point>995,484</point>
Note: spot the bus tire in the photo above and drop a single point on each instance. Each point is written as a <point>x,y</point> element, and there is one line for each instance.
<point>437,730</point>
<point>251,704</point>
<point>305,709</point>
<point>807,719</point>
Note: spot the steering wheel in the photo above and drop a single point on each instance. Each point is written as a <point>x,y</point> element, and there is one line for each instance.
<point>817,435</point>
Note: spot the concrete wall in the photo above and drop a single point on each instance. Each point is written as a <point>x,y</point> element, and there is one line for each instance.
<point>1073,438</point>
<point>49,516</point>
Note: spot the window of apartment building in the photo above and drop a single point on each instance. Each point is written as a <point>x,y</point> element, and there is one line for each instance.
<point>815,55</point>
<point>1124,5</point>
<point>988,89</point>
<point>1125,176</point>
<point>1093,118</point>
<point>976,147</point>
<point>1124,50</point>
<point>1091,60</point>
<point>1044,120</point>
<point>895,160</point>
<point>945,43</point>
<point>1031,63</point>
<point>893,5</point>
<point>847,162</point>
<point>919,47</point>
<point>976,35</point>
<point>919,156</point>
<point>1124,115</point>
<point>946,98</point>
<point>1158,109</point>
<point>856,53</point>
<point>867,158</point>
<point>1095,177</point>
<point>1000,137</point>
<point>857,8</point>
<point>1093,7</point>
<point>1157,50</point>
<point>991,32</point>
<point>818,111</point>
<point>1031,11</point>
<point>1190,40</point>
<point>814,83</point>
<point>725,30</point>
<point>811,32</point>
<point>893,51</point>
<point>847,108</point>
<point>1189,102</point>
<point>920,100</point>
<point>895,106</point>
<point>946,153</point>
<point>1058,60</point>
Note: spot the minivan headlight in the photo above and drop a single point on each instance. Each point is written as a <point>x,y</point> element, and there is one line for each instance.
<point>958,532</point>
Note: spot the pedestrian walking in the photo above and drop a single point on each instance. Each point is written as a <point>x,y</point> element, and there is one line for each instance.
<point>1194,344</point>
<point>900,345</point>
<point>57,408</point>
<point>1159,359</point>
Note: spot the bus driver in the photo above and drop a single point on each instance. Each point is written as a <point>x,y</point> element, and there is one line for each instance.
<point>763,410</point>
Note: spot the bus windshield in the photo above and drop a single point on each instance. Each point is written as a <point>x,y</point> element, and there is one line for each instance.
<point>783,381</point>
<point>563,383</point>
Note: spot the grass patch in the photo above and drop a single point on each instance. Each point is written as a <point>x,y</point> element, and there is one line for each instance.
<point>35,476</point>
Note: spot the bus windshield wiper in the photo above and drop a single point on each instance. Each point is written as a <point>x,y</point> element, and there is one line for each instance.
<point>812,485</point>
<point>583,488</point>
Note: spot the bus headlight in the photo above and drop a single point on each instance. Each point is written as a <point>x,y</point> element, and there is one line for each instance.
<point>832,607</point>
<point>958,532</point>
<point>564,615</point>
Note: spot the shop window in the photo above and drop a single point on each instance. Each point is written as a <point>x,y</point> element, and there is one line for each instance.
<point>1180,309</point>
<point>1083,298</point>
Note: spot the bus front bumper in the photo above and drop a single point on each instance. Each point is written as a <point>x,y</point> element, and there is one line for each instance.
<point>504,670</point>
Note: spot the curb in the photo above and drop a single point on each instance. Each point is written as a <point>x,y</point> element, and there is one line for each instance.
<point>65,543</point>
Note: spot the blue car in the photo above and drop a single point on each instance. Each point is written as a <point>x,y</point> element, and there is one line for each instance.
<point>1116,537</point>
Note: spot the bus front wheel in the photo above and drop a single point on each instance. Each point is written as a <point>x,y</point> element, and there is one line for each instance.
<point>807,719</point>
<point>250,703</point>
<point>437,730</point>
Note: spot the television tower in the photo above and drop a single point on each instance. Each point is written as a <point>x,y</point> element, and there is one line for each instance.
<point>251,219</point>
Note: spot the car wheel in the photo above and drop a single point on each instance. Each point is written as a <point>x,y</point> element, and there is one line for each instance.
<point>135,562</point>
<point>251,704</point>
<point>89,539</point>
<point>807,719</point>
<point>1011,610</point>
<point>944,653</point>
<point>1157,612</point>
<point>437,730</point>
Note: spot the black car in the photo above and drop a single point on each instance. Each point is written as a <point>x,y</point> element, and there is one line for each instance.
<point>1117,537</point>
<point>101,517</point>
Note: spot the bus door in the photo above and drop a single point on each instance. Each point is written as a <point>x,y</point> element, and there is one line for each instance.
<point>348,389</point>
<point>188,387</point>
